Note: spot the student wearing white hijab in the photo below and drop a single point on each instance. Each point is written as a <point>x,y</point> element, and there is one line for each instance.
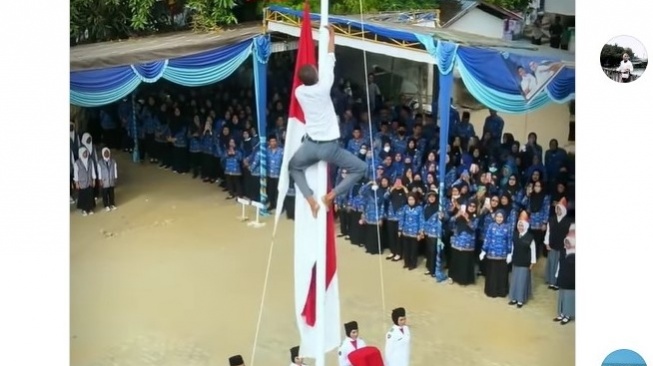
<point>107,176</point>
<point>84,177</point>
<point>523,258</point>
<point>87,142</point>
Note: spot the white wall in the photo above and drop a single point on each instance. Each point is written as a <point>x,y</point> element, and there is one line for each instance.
<point>563,7</point>
<point>350,65</point>
<point>479,22</point>
<point>550,122</point>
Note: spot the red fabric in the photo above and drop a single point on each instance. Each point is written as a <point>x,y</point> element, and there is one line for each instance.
<point>366,356</point>
<point>306,55</point>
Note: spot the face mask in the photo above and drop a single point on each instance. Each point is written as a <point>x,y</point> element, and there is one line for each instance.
<point>363,151</point>
<point>386,149</point>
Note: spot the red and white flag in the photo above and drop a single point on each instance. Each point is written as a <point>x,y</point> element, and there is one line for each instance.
<point>313,237</point>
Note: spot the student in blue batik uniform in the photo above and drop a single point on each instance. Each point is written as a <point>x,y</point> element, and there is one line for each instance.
<point>232,160</point>
<point>373,215</point>
<point>463,241</point>
<point>195,146</point>
<point>506,205</point>
<point>220,142</point>
<point>396,199</point>
<point>496,247</point>
<point>159,147</point>
<point>357,204</point>
<point>146,129</point>
<point>209,162</point>
<point>513,189</point>
<point>410,229</point>
<point>537,202</point>
<point>252,177</point>
<point>400,142</point>
<point>432,229</point>
<point>180,150</point>
<point>110,131</point>
<point>494,127</point>
<point>274,159</point>
<point>464,129</point>
<point>354,144</point>
<point>342,207</point>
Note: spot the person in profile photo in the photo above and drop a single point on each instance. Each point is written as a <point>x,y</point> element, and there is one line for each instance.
<point>625,68</point>
<point>528,82</point>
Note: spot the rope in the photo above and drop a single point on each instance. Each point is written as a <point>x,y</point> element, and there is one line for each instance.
<point>260,310</point>
<point>376,199</point>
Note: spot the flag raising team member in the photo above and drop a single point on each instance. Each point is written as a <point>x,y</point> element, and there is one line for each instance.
<point>397,343</point>
<point>351,343</point>
<point>295,359</point>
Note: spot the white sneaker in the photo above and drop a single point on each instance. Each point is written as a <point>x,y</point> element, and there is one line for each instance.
<point>113,208</point>
<point>72,201</point>
<point>84,213</point>
<point>107,209</point>
<point>90,212</point>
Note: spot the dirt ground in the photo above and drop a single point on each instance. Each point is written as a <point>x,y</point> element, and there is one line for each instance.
<point>172,278</point>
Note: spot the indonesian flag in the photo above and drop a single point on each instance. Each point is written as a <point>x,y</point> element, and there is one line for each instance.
<point>313,237</point>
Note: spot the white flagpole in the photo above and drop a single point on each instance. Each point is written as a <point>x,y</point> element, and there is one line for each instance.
<point>320,277</point>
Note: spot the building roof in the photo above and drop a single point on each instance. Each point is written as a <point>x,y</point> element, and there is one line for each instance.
<point>163,46</point>
<point>452,10</point>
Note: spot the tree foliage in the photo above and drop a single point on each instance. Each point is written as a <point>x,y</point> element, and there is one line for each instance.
<point>611,55</point>
<point>103,20</point>
<point>353,7</point>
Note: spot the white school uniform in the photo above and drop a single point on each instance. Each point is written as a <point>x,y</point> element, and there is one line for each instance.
<point>397,346</point>
<point>348,346</point>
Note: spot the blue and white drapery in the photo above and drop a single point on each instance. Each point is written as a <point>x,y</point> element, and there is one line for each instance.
<point>94,88</point>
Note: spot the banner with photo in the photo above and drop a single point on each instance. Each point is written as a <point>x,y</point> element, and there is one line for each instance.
<point>532,75</point>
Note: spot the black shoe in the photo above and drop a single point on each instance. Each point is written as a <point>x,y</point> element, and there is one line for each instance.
<point>428,273</point>
<point>565,321</point>
<point>389,258</point>
<point>558,318</point>
<point>341,235</point>
<point>512,302</point>
<point>519,305</point>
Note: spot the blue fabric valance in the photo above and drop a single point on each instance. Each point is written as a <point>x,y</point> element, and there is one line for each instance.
<point>94,88</point>
<point>511,83</point>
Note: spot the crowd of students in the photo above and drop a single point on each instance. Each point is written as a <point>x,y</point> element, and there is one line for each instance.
<point>508,203</point>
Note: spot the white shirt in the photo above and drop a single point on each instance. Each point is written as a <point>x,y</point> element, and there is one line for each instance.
<point>347,347</point>
<point>315,100</point>
<point>542,74</point>
<point>625,68</point>
<point>397,346</point>
<point>528,84</point>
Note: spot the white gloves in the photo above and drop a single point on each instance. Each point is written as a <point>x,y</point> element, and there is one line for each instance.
<point>375,187</point>
<point>509,258</point>
<point>482,256</point>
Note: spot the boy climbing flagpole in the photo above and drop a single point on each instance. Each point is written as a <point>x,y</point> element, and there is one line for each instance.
<point>317,303</point>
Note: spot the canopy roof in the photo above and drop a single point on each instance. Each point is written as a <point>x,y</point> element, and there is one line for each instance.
<point>158,47</point>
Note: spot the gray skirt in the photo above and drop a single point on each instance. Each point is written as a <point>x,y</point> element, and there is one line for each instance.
<point>552,261</point>
<point>567,303</point>
<point>521,286</point>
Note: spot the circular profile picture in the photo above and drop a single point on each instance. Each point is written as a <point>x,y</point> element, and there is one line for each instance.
<point>624,59</point>
<point>624,357</point>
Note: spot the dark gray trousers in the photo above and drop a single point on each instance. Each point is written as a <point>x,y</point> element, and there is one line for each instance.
<point>312,152</point>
